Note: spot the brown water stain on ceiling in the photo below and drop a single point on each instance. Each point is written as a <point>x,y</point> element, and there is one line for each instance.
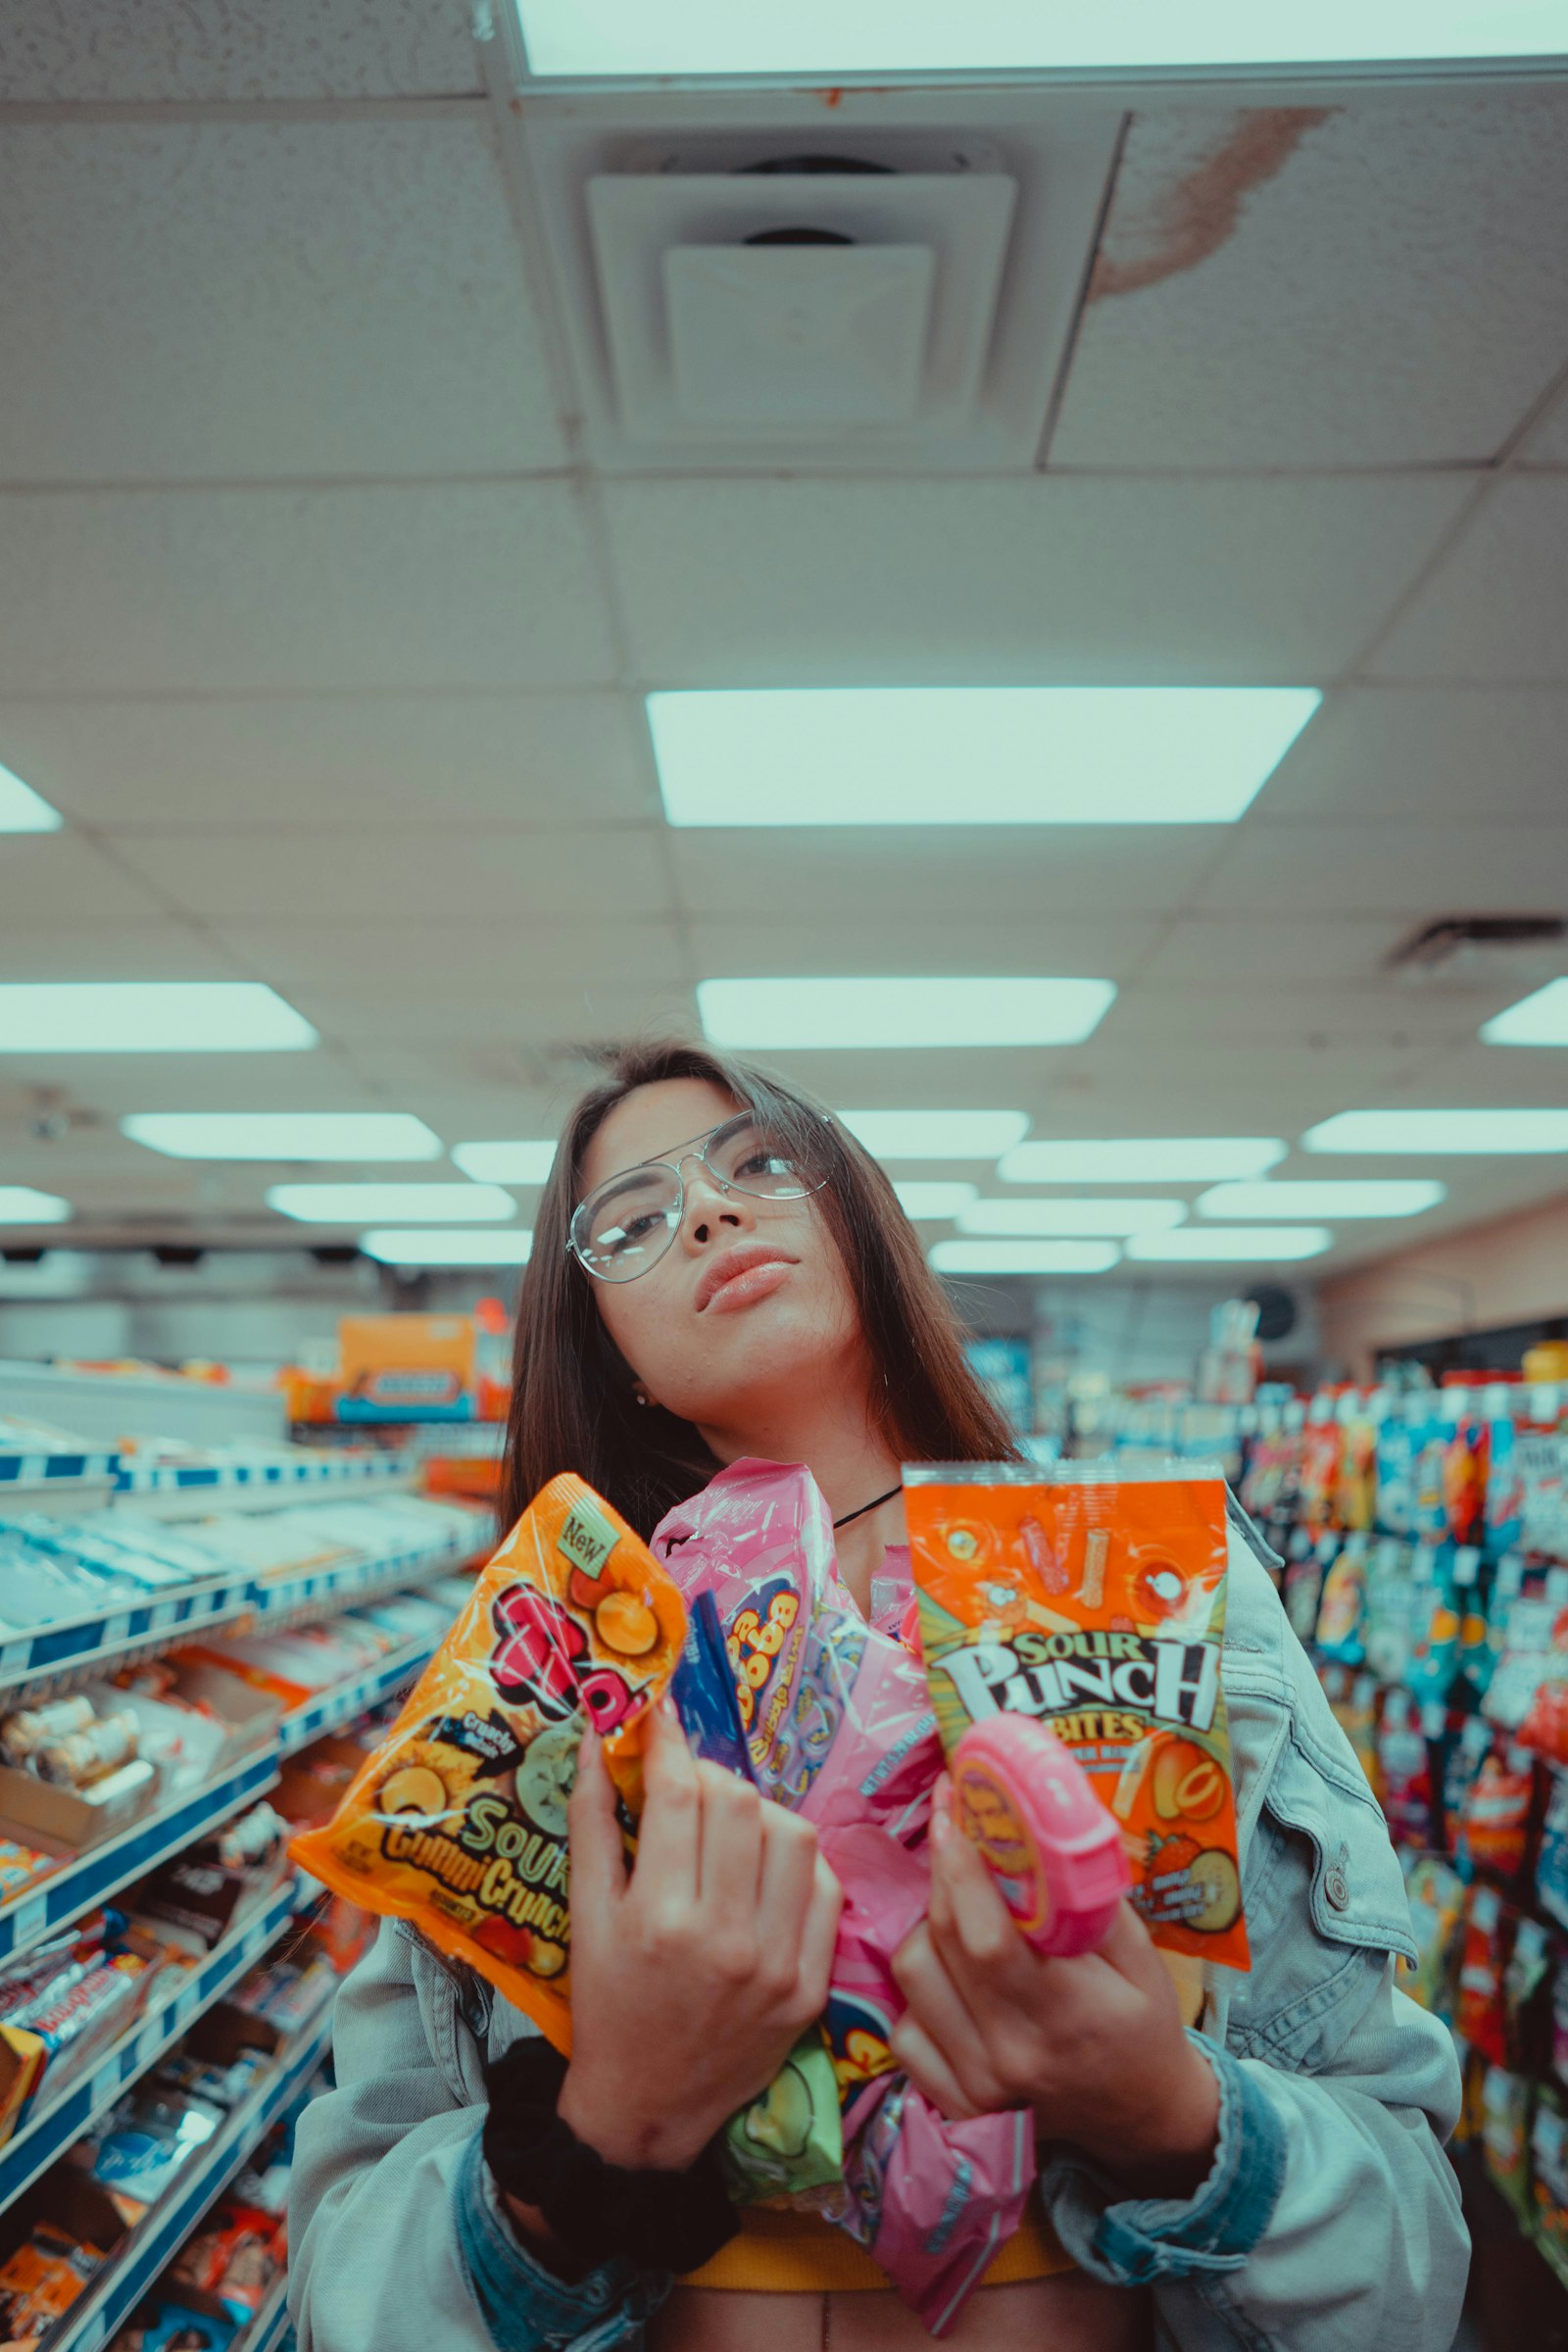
<point>1195,216</point>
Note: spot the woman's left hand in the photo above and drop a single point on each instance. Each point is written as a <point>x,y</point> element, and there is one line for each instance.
<point>1094,2044</point>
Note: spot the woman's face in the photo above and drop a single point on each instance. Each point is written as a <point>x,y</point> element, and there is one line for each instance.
<point>751,1297</point>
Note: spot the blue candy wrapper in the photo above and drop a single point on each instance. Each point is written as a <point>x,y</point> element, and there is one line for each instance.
<point>703,1689</point>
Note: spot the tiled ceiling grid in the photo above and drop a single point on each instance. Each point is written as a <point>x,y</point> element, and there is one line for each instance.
<point>326,634</point>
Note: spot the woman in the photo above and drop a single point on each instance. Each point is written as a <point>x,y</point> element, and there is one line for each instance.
<point>719,1272</point>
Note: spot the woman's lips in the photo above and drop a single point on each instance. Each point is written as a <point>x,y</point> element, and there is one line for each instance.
<point>747,1285</point>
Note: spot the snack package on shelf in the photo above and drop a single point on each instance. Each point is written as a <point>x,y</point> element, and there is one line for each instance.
<point>197,1898</point>
<point>458,1819</point>
<point>1504,1513</point>
<point>137,2151</point>
<point>1302,1589</point>
<point>1342,1611</point>
<point>1481,2014</point>
<point>1551,1862</point>
<point>1499,1806</point>
<point>1527,1997</point>
<point>1548,2176</point>
<point>1436,1895</point>
<point>41,2278</point>
<point>1401,1434</point>
<point>235,2256</point>
<point>1096,1604</point>
<point>1404,1769</point>
<point>170,2325</point>
<point>1505,2105</point>
<point>1465,1753</point>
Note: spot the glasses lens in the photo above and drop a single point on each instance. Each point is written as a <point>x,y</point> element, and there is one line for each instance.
<point>757,1160</point>
<point>627,1225</point>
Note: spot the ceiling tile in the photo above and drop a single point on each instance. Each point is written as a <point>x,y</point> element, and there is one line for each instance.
<point>442,761</point>
<point>1227,947</point>
<point>218,49</point>
<point>1497,607</point>
<point>1060,579</point>
<point>1382,281</point>
<point>1387,869</point>
<point>1108,948</point>
<point>1422,752</point>
<point>945,874</point>
<point>236,591</point>
<point>50,879</point>
<point>1549,444</point>
<point>273,299</point>
<point>1330,1014</point>
<point>361,875</point>
<point>75,947</point>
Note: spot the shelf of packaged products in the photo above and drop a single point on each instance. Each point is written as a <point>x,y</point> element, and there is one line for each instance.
<point>87,1645</point>
<point>104,1407</point>
<point>55,1479</point>
<point>272,2326</point>
<point>104,1868</point>
<point>60,2122</point>
<point>354,1697</point>
<point>185,1490</point>
<point>103,2308</point>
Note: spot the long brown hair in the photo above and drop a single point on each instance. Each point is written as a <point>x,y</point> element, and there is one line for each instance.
<point>572,1401</point>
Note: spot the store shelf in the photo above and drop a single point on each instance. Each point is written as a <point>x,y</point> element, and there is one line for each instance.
<point>108,1406</point>
<point>104,1868</point>
<point>182,1490</point>
<point>272,2326</point>
<point>340,1705</point>
<point>88,1645</point>
<point>112,2297</point>
<point>59,2124</point>
<point>57,1479</point>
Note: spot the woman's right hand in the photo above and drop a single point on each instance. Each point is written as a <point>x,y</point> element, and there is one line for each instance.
<point>692,1976</point>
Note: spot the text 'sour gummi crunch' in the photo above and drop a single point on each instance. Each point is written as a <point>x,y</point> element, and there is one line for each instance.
<point>458,1821</point>
<point>1095,1601</point>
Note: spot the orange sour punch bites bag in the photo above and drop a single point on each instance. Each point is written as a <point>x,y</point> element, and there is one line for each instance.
<point>458,1821</point>
<point>1093,1601</point>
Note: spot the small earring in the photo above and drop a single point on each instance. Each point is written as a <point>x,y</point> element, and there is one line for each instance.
<point>639,1396</point>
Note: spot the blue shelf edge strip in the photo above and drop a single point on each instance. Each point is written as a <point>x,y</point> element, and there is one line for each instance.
<point>44,1469</point>
<point>43,2137</point>
<point>350,1698</point>
<point>313,1470</point>
<point>108,2303</point>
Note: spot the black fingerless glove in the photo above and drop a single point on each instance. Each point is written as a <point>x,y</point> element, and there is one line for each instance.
<point>657,2220</point>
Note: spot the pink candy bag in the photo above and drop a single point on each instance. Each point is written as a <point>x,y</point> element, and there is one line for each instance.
<point>839,1727</point>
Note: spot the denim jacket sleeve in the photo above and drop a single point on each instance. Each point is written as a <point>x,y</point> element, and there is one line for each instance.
<point>396,2237</point>
<point>1330,2218</point>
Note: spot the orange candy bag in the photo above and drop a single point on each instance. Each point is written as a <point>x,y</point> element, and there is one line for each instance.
<point>1095,1601</point>
<point>458,1821</point>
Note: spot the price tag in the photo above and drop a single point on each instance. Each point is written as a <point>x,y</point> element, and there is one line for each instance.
<point>15,1657</point>
<point>165,1613</point>
<point>28,1920</point>
<point>1466,1564</point>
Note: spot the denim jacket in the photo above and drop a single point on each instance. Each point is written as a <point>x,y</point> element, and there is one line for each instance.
<point>1330,2218</point>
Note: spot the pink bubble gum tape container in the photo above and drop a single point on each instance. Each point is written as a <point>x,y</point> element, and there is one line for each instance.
<point>1053,1851</point>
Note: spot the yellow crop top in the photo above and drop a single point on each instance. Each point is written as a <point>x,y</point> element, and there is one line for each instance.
<point>778,2252</point>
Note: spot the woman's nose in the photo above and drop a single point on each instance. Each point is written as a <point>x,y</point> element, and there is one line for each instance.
<point>709,1208</point>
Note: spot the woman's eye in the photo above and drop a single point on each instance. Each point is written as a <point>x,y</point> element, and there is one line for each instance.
<point>766,1164</point>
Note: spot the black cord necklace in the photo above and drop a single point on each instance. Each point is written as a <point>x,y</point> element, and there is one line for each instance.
<point>867,1507</point>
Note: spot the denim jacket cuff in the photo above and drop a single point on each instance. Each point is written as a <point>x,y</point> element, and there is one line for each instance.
<point>1130,2241</point>
<point>525,2308</point>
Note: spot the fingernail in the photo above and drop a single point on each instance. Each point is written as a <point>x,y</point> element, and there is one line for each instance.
<point>941,1826</point>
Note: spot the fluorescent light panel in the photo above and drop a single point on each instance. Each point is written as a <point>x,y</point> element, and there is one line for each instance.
<point>22,1205</point>
<point>1062,1217</point>
<point>1482,1133</point>
<point>1540,1019</point>
<point>148,1016</point>
<point>1397,1197</point>
<point>565,38</point>
<point>810,1014</point>
<point>326,1135</point>
<point>931,1200</point>
<point>1240,1244</point>
<point>348,1203</point>
<point>936,1134</point>
<point>21,810</point>
<point>1024,1257</point>
<point>506,1164</point>
<point>490,1245</point>
<point>973,754</point>
<point>1143,1159</point>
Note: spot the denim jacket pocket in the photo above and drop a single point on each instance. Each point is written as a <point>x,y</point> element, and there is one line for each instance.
<point>1326,1904</point>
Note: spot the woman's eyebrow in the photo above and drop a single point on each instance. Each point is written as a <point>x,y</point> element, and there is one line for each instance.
<point>658,1160</point>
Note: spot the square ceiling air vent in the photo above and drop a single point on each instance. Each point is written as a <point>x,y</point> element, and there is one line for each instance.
<point>855,282</point>
<point>789,306</point>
